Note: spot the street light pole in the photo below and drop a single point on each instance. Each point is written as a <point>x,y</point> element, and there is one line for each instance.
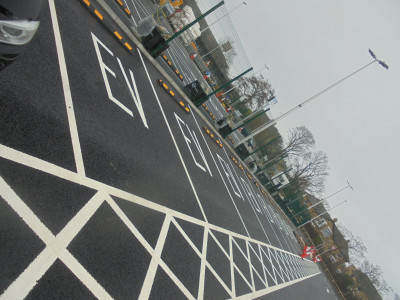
<point>321,214</point>
<point>296,199</point>
<point>273,122</point>
<point>347,186</point>
<point>258,71</point>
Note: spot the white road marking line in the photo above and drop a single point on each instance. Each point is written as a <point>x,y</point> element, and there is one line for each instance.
<point>273,275</point>
<point>49,168</point>
<point>220,174</point>
<point>232,268</point>
<point>91,282</point>
<point>274,288</point>
<point>247,196</point>
<point>176,280</point>
<point>200,294</point>
<point>250,266</point>
<point>253,268</point>
<point>83,275</point>
<point>129,224</point>
<point>55,245</point>
<point>173,138</point>
<point>273,229</point>
<point>263,266</point>
<point>276,265</point>
<point>238,270</point>
<point>137,11</point>
<point>155,260</point>
<point>67,92</point>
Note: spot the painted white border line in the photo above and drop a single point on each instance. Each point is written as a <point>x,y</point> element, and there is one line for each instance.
<point>273,288</point>
<point>173,138</point>
<point>56,246</point>
<point>220,174</point>
<point>67,92</point>
<point>49,168</point>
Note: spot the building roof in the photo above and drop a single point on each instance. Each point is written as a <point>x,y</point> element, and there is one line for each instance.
<point>367,285</point>
<point>340,242</point>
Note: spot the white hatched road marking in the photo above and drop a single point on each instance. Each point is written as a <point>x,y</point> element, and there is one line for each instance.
<point>56,245</point>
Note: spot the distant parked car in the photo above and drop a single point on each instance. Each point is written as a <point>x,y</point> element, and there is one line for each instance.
<point>19,21</point>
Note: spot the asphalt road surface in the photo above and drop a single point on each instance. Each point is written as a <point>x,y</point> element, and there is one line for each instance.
<point>108,189</point>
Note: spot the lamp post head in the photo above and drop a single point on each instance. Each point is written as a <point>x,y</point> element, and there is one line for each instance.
<point>382,63</point>
<point>348,184</point>
<point>372,53</point>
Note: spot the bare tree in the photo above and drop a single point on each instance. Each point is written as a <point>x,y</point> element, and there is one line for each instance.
<point>299,141</point>
<point>256,91</point>
<point>310,171</point>
<point>219,58</point>
<point>230,56</point>
<point>357,248</point>
<point>373,271</point>
<point>383,287</point>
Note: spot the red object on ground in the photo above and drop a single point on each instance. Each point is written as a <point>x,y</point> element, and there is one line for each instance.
<point>317,258</point>
<point>307,251</point>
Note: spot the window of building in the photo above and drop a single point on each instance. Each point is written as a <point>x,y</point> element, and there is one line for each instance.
<point>320,222</point>
<point>327,232</point>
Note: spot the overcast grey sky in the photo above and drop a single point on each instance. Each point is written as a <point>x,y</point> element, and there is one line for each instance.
<point>310,44</point>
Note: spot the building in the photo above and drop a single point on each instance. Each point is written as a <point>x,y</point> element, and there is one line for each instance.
<point>333,245</point>
<point>363,287</point>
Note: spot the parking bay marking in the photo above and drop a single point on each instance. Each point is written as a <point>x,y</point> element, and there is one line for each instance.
<point>132,88</point>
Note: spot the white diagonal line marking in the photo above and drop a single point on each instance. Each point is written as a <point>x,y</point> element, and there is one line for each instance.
<point>55,245</point>
<point>155,261</point>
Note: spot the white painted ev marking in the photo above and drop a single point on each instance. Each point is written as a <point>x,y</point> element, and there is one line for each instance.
<point>250,195</point>
<point>229,176</point>
<point>135,95</point>
<point>196,143</point>
<point>134,92</point>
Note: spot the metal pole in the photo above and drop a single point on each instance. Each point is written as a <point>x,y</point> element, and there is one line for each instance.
<point>330,249</point>
<point>321,245</point>
<point>269,165</point>
<point>211,51</point>
<point>283,173</point>
<point>187,27</point>
<point>315,204</point>
<point>249,116</point>
<point>263,146</point>
<point>321,214</point>
<point>296,199</point>
<point>347,186</point>
<point>273,122</point>
<point>244,123</point>
<point>224,15</point>
<point>265,67</point>
<point>201,101</point>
